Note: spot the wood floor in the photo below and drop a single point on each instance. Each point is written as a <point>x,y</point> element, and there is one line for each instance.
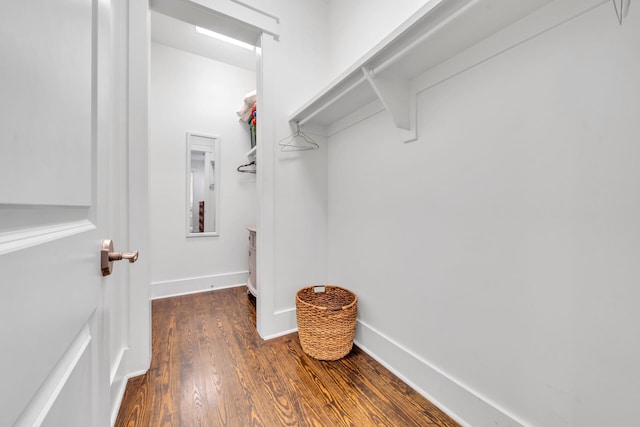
<point>210,368</point>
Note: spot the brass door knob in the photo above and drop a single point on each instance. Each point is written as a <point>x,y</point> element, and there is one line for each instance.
<point>108,256</point>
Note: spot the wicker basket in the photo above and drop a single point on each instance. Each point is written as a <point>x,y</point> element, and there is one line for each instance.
<point>326,318</point>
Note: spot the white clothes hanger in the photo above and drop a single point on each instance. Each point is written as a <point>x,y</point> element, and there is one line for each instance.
<point>298,141</point>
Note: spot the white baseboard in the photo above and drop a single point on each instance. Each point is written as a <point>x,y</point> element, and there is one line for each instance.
<point>287,321</point>
<point>191,285</point>
<point>450,395</point>
<point>280,334</point>
<point>283,322</point>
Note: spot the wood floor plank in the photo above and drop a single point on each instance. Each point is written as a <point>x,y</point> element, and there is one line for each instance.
<point>220,407</point>
<point>210,368</point>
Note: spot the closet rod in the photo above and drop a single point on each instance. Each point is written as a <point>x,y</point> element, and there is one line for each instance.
<point>330,102</point>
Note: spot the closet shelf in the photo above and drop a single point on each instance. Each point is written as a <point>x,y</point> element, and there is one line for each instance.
<point>436,32</point>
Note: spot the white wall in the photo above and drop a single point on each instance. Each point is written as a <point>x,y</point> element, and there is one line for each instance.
<point>300,60</point>
<point>197,94</point>
<point>497,255</point>
<point>301,177</point>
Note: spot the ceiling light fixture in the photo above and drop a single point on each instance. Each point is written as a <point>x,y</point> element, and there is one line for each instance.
<point>224,38</point>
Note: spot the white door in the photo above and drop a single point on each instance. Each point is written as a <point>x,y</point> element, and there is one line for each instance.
<point>56,127</point>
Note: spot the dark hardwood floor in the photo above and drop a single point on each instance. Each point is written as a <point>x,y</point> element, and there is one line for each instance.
<point>210,368</point>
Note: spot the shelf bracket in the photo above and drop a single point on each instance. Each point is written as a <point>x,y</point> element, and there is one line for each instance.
<point>394,94</point>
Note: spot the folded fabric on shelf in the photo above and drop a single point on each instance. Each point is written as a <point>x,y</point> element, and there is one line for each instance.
<point>245,110</point>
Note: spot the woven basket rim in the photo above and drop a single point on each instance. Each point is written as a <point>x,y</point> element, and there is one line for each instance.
<point>344,307</point>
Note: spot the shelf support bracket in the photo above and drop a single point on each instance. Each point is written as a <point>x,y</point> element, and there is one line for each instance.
<point>394,94</point>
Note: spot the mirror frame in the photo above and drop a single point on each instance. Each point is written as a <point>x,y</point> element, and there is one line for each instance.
<point>216,175</point>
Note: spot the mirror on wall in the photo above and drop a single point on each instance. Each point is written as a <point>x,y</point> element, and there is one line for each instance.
<point>203,182</point>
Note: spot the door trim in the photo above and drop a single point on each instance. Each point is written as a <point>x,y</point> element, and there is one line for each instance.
<point>139,357</point>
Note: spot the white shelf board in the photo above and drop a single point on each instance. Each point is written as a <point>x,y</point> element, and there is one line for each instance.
<point>438,31</point>
<point>341,103</point>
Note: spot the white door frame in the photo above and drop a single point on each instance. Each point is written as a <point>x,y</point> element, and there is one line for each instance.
<point>140,278</point>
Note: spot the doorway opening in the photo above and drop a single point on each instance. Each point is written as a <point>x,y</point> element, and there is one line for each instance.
<point>197,139</point>
<point>198,84</point>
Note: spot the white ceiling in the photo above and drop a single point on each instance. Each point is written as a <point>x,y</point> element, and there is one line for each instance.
<point>181,35</point>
